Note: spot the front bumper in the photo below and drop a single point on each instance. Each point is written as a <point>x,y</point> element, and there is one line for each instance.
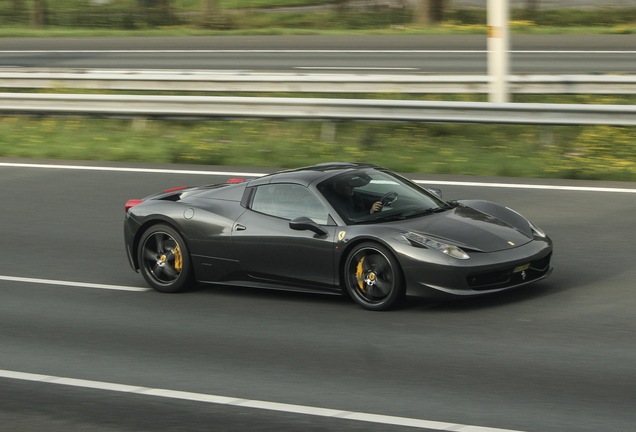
<point>483,273</point>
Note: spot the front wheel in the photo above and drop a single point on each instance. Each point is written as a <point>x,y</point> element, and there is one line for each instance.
<point>164,260</point>
<point>373,278</point>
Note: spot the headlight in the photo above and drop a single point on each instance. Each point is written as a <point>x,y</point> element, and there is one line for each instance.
<point>448,249</point>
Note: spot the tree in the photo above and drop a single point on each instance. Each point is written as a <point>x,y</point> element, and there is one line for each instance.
<point>211,7</point>
<point>165,6</point>
<point>38,13</point>
<point>214,18</point>
<point>532,6</point>
<point>428,11</point>
<point>342,5</point>
<point>436,10</point>
<point>18,6</point>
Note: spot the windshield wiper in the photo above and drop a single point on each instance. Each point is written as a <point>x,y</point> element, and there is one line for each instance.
<point>428,211</point>
<point>416,213</point>
<point>407,214</point>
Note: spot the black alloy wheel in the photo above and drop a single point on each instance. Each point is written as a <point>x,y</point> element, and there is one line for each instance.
<point>373,277</point>
<point>164,260</point>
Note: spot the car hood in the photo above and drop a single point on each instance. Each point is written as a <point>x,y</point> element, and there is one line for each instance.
<point>468,228</point>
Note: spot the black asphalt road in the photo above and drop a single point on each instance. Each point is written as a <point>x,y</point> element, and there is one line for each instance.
<point>559,356</point>
<point>535,54</point>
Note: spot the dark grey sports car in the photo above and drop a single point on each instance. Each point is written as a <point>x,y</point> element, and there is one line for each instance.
<point>333,228</point>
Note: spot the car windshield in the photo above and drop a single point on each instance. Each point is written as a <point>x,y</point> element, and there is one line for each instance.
<point>354,196</point>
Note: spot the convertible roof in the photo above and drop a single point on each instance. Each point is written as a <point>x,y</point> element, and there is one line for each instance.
<point>309,174</point>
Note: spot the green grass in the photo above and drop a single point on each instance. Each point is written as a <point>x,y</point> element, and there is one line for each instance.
<point>238,4</point>
<point>594,152</point>
<point>126,17</point>
<point>281,31</point>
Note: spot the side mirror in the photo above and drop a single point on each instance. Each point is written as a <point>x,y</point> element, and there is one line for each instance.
<point>435,191</point>
<point>304,223</point>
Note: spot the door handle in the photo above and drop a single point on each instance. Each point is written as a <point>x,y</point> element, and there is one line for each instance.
<point>239,227</point>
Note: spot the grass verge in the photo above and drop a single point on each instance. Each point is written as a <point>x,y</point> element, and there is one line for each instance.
<point>591,152</point>
<point>73,18</point>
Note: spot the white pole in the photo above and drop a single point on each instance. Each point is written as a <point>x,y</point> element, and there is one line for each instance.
<point>498,46</point>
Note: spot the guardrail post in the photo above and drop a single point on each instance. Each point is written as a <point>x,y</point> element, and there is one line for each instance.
<point>139,123</point>
<point>328,131</point>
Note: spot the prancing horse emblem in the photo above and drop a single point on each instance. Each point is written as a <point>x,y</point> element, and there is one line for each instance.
<point>341,235</point>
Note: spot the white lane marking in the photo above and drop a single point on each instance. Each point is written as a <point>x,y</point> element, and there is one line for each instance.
<point>256,174</point>
<point>248,403</point>
<point>310,51</point>
<point>574,52</point>
<point>71,284</point>
<point>352,68</point>
<point>528,186</point>
<point>132,170</point>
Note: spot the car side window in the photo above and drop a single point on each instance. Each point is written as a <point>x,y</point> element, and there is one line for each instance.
<point>289,201</point>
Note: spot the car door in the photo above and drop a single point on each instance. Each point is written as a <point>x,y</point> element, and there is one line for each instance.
<point>271,252</point>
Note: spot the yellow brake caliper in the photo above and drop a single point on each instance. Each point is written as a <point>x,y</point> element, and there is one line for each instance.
<point>360,275</point>
<point>178,258</point>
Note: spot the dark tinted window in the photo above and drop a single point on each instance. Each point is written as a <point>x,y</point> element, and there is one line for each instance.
<point>353,194</point>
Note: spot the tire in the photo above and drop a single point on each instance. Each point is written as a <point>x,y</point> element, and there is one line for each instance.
<point>373,277</point>
<point>164,259</point>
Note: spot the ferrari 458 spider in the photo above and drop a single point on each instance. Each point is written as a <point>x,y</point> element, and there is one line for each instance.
<point>333,228</point>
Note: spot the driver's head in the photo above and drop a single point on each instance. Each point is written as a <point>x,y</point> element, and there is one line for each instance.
<point>344,188</point>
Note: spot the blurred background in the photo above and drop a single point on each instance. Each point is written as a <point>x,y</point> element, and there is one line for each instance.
<point>302,14</point>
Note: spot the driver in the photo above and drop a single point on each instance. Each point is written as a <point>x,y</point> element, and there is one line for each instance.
<point>351,202</point>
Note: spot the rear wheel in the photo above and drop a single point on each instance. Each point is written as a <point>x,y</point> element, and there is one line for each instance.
<point>373,278</point>
<point>164,260</point>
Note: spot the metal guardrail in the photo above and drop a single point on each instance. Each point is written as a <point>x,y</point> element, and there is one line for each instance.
<point>215,81</point>
<point>136,106</point>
